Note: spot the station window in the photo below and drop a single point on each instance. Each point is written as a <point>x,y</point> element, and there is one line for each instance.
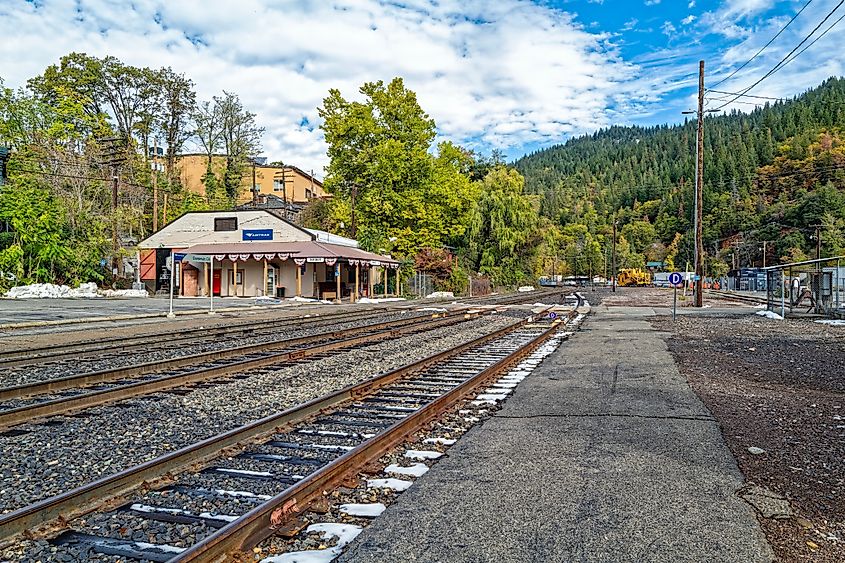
<point>225,223</point>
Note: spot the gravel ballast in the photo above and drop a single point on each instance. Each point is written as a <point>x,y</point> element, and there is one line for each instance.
<point>70,451</point>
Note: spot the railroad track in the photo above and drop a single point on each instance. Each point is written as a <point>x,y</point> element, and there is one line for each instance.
<point>230,492</point>
<point>516,298</point>
<point>148,342</point>
<point>737,296</point>
<point>24,403</point>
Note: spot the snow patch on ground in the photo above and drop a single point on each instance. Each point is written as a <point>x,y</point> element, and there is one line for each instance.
<point>414,470</point>
<point>133,293</point>
<point>367,510</point>
<point>380,299</point>
<point>832,322</point>
<point>344,533</point>
<point>308,300</point>
<point>769,315</point>
<point>422,454</point>
<point>84,291</point>
<point>52,291</point>
<point>397,485</point>
<point>441,295</point>
<point>525,288</point>
<point>434,309</point>
<point>444,441</point>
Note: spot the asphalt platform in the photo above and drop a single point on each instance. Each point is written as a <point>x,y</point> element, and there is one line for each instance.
<point>603,454</point>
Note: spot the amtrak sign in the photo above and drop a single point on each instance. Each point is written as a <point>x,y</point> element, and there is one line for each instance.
<point>258,234</point>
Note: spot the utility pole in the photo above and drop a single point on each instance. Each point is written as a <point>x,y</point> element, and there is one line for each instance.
<point>254,189</point>
<point>613,257</point>
<point>115,153</point>
<point>764,253</point>
<point>354,195</point>
<point>285,190</point>
<point>155,186</point>
<point>818,242</point>
<point>699,181</point>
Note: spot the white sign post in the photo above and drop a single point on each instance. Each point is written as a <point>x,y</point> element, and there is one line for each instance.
<point>675,279</point>
<point>211,288</point>
<point>171,314</point>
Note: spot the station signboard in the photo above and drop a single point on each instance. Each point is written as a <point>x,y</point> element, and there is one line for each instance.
<point>199,258</point>
<point>257,234</point>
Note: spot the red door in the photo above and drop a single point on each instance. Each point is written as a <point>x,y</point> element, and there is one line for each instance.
<point>215,283</point>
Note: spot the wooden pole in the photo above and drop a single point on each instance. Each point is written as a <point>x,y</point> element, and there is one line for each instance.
<point>265,277</point>
<point>205,276</point>
<point>385,280</point>
<point>370,282</point>
<point>235,276</point>
<point>357,282</point>
<point>155,186</point>
<point>699,182</point>
<point>298,280</point>
<point>337,282</point>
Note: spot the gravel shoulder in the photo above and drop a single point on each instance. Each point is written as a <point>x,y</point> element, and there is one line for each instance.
<point>778,392</point>
<point>69,451</point>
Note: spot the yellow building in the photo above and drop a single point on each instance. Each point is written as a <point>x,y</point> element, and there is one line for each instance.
<point>285,182</point>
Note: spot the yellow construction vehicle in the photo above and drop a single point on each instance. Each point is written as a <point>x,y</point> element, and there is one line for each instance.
<point>633,276</point>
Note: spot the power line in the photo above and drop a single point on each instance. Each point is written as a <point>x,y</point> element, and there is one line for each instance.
<point>728,77</point>
<point>745,95</point>
<point>785,59</point>
<point>816,39</point>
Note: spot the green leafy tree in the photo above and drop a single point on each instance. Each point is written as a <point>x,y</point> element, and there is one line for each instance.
<point>502,227</point>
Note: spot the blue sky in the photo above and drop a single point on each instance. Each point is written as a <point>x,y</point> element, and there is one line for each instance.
<point>514,75</point>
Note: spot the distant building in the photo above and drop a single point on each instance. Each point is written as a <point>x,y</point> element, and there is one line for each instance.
<point>289,183</point>
<point>250,253</point>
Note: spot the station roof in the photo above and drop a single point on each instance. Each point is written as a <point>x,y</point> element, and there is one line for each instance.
<point>302,250</point>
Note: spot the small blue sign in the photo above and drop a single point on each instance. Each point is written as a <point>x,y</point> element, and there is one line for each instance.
<point>258,234</point>
<point>179,256</point>
<point>675,278</point>
<point>553,315</point>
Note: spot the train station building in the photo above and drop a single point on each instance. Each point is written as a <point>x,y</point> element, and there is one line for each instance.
<point>253,253</point>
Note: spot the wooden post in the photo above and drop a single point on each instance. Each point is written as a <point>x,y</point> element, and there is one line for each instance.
<point>298,279</point>
<point>370,282</point>
<point>265,277</point>
<point>357,283</point>
<point>337,281</point>
<point>235,276</point>
<point>384,281</point>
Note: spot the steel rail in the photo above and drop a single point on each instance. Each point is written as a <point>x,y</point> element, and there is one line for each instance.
<point>85,498</point>
<point>260,523</point>
<point>100,376</point>
<point>738,297</point>
<point>27,356</point>
<point>73,403</point>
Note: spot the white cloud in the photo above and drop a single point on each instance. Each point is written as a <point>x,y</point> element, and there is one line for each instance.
<point>652,2</point>
<point>691,5</point>
<point>500,74</point>
<point>668,28</point>
<point>688,20</point>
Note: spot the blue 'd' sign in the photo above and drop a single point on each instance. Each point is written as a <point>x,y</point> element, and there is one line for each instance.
<point>675,278</point>
<point>258,234</point>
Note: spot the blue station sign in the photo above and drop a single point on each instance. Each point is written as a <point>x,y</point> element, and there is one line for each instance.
<point>258,234</point>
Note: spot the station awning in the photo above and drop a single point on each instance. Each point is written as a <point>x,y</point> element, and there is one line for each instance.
<point>300,252</point>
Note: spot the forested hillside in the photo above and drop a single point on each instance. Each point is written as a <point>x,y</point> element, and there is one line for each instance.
<point>770,175</point>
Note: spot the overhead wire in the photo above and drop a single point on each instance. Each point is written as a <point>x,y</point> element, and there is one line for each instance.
<point>783,61</point>
<point>731,75</point>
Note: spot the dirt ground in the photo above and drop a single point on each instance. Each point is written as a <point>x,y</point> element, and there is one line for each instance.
<point>778,386</point>
<point>659,297</point>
